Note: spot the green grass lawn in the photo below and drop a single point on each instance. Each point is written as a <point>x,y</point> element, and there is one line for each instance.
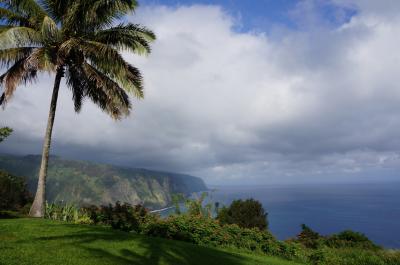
<point>37,241</point>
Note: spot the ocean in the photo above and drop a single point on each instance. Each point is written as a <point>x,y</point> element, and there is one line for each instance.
<point>372,209</point>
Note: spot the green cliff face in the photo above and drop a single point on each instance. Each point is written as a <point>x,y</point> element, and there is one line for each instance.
<point>84,182</point>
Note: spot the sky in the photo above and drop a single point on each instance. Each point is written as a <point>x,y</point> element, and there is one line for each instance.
<point>243,92</point>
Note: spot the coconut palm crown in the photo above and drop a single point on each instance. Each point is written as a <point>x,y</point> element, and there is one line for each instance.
<point>76,39</point>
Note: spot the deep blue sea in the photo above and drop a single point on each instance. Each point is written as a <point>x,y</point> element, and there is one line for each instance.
<point>373,209</point>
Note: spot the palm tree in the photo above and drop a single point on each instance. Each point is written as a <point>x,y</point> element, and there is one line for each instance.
<point>78,39</point>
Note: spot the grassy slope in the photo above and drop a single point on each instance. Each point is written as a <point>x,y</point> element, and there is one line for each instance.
<point>36,241</point>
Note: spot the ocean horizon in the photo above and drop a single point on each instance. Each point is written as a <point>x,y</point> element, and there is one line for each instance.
<point>370,208</point>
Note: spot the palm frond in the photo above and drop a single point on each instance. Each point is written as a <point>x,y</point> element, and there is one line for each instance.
<point>20,72</point>
<point>109,61</point>
<point>4,28</point>
<point>29,9</point>
<point>117,102</point>
<point>135,78</point>
<point>12,37</point>
<point>103,12</point>
<point>50,30</point>
<point>12,55</point>
<point>131,37</point>
<point>42,59</point>
<point>86,81</point>
<point>96,14</point>
<point>56,8</point>
<point>77,82</point>
<point>11,18</point>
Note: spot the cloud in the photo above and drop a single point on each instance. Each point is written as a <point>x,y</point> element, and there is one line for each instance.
<point>314,103</point>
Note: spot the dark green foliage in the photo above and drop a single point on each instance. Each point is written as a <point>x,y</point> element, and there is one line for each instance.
<point>308,237</point>
<point>10,214</point>
<point>344,239</point>
<point>354,256</point>
<point>119,216</point>
<point>345,248</point>
<point>317,257</point>
<point>13,192</point>
<point>351,239</point>
<point>5,132</point>
<point>246,214</point>
<point>208,231</point>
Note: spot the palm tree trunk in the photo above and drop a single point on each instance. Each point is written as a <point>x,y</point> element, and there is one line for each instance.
<point>38,207</point>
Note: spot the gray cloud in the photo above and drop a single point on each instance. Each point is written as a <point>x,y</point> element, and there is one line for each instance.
<point>319,103</point>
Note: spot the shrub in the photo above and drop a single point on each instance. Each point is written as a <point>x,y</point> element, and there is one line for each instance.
<point>309,238</point>
<point>208,231</point>
<point>197,207</point>
<point>14,194</point>
<point>351,256</point>
<point>120,216</point>
<point>246,214</point>
<point>67,213</point>
<point>4,133</point>
<point>352,239</point>
<point>390,257</point>
<point>177,199</point>
<point>318,257</point>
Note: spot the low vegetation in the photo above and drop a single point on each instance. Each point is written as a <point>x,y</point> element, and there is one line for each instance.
<point>4,133</point>
<point>247,214</point>
<point>48,242</point>
<point>344,248</point>
<point>197,226</point>
<point>14,195</point>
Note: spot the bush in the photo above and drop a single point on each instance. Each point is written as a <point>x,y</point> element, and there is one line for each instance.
<point>345,239</point>
<point>4,133</point>
<point>67,213</point>
<point>207,231</point>
<point>309,238</point>
<point>197,207</point>
<point>351,239</point>
<point>246,214</point>
<point>351,256</point>
<point>14,194</point>
<point>390,257</point>
<point>120,216</point>
<point>318,257</point>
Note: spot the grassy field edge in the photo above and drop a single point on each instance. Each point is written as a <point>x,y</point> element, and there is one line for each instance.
<point>38,241</point>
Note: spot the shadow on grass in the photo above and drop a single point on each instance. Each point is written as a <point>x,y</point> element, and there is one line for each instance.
<point>116,247</point>
<point>9,215</point>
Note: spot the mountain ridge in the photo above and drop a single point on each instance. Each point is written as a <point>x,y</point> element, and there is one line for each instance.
<point>84,182</point>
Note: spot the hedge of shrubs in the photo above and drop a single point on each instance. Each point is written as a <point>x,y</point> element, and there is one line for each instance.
<point>346,248</point>
<point>197,228</point>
